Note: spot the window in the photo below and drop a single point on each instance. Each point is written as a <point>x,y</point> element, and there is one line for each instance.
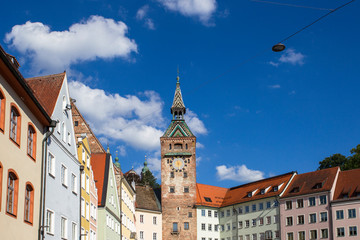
<point>87,184</point>
<point>51,164</point>
<point>322,199</point>
<point>352,213</point>
<point>63,131</point>
<point>177,146</point>
<point>323,217</point>
<point>50,217</point>
<point>324,233</point>
<point>73,183</point>
<point>172,189</point>
<point>29,203</point>
<point>31,143</point>
<point>247,209</point>
<point>268,220</point>
<point>63,228</point>
<point>190,214</point>
<point>186,189</point>
<point>268,235</point>
<point>2,111</point>
<point>215,214</point>
<point>261,206</point>
<point>247,223</point>
<point>300,203</point>
<point>203,226</point>
<point>172,174</point>
<point>12,193</point>
<point>276,188</point>
<point>268,204</point>
<point>141,235</point>
<point>15,125</point>
<point>228,212</point>
<point>154,236</point>
<point>209,227</point>
<point>290,236</point>
<point>69,138</point>
<point>313,234</point>
<point>288,205</point>
<point>82,207</point>
<point>340,232</point>
<point>254,222</point>
<point>276,219</point>
<point>301,235</point>
<point>142,218</point>
<point>301,219</point>
<point>240,224</point>
<point>74,231</point>
<point>312,218</point>
<point>253,207</point>
<point>63,175</point>
<point>154,220</point>
<point>339,214</point>
<point>254,236</point>
<point>311,201</point>
<point>186,226</point>
<point>222,214</point>
<point>216,227</point>
<point>83,180</point>
<point>228,227</point>
<point>64,104</point>
<point>249,194</point>
<point>353,231</point>
<point>185,175</point>
<point>289,221</point>
<point>203,212</point>
<point>169,146</point>
<point>209,213</point>
<point>87,211</point>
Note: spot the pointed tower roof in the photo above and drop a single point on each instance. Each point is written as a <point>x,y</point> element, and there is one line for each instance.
<point>145,168</point>
<point>117,164</point>
<point>178,103</point>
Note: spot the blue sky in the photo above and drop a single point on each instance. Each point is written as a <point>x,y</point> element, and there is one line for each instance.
<point>255,113</point>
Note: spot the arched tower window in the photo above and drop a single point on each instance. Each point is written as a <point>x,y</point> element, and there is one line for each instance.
<point>15,124</point>
<point>169,146</point>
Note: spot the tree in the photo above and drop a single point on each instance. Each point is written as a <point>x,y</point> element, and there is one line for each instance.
<point>345,163</point>
<point>148,178</point>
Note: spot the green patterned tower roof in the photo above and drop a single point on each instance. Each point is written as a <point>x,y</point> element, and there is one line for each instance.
<point>178,103</point>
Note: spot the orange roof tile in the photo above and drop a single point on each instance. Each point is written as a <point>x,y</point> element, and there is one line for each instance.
<point>47,89</point>
<point>239,194</point>
<point>312,182</point>
<point>214,195</point>
<point>348,185</point>
<point>100,165</point>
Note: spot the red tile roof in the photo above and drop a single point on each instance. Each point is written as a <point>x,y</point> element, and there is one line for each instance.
<point>312,182</point>
<point>100,166</point>
<point>47,89</point>
<point>215,194</point>
<point>348,183</point>
<point>240,194</point>
<point>220,197</point>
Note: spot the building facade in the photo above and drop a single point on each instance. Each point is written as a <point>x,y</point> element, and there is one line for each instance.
<point>62,177</point>
<point>23,123</point>
<point>305,206</point>
<point>178,175</point>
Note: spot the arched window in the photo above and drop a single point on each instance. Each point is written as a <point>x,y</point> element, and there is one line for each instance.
<point>169,146</point>
<point>31,144</point>
<point>64,104</point>
<point>12,193</point>
<point>2,111</point>
<point>15,125</point>
<point>186,146</point>
<point>29,203</point>
<point>177,146</point>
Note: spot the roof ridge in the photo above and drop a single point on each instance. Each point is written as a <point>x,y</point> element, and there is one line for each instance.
<point>46,76</point>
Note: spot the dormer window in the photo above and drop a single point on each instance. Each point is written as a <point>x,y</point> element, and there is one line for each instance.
<point>276,188</point>
<point>318,186</point>
<point>295,190</point>
<point>207,199</point>
<point>262,191</point>
<point>249,194</point>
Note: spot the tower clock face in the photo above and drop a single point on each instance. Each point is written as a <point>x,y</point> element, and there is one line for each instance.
<point>178,164</point>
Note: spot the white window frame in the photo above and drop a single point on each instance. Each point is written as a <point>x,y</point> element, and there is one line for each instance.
<point>63,228</point>
<point>74,231</point>
<point>73,183</point>
<point>64,175</point>
<point>50,227</point>
<point>51,164</point>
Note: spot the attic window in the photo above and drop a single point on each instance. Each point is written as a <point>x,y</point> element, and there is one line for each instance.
<point>262,191</point>
<point>76,123</point>
<point>207,199</point>
<point>295,190</point>
<point>345,195</point>
<point>318,186</point>
<point>276,188</point>
<point>177,146</point>
<point>249,194</point>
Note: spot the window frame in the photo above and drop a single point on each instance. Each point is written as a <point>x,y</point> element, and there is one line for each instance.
<point>15,193</point>
<point>15,139</point>
<point>29,203</point>
<point>31,130</point>
<point>50,229</point>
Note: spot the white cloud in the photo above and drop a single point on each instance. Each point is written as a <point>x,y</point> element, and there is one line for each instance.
<point>135,120</point>
<point>201,9</point>
<point>276,86</point>
<point>198,160</point>
<point>194,123</point>
<point>292,57</point>
<point>275,64</point>
<point>199,145</point>
<point>142,15</point>
<point>121,150</point>
<point>54,51</point>
<point>238,173</point>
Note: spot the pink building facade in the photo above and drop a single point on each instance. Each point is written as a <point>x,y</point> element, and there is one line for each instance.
<point>305,207</point>
<point>346,206</point>
<point>93,207</point>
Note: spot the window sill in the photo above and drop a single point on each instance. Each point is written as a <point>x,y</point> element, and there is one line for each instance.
<point>15,142</point>
<point>28,222</point>
<point>52,175</point>
<point>11,214</point>
<point>32,158</point>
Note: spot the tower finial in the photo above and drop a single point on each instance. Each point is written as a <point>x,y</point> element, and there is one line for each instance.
<point>108,149</point>
<point>178,75</point>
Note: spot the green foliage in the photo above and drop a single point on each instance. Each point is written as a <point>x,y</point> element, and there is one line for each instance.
<point>148,178</point>
<point>345,163</point>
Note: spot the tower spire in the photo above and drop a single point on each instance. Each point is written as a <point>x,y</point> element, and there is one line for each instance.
<point>178,108</point>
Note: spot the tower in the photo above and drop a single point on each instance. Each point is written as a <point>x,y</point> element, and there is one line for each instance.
<point>178,175</point>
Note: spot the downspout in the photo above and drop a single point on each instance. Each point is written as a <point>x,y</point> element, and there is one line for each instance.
<point>43,179</point>
<point>81,171</point>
